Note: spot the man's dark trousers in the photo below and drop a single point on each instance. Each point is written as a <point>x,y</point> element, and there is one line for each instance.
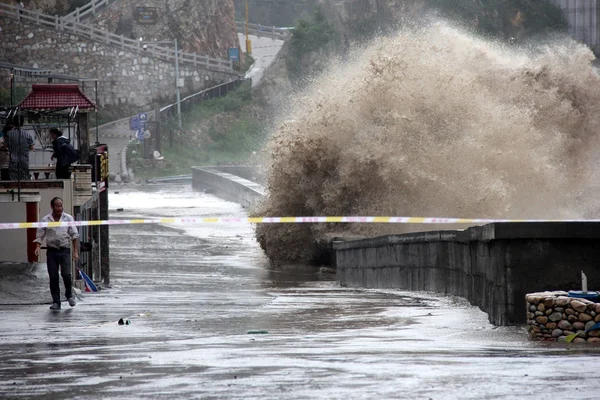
<point>62,172</point>
<point>59,258</point>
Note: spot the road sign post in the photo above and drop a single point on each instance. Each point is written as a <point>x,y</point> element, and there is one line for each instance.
<point>234,55</point>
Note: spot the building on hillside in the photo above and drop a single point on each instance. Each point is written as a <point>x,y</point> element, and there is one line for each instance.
<point>583,17</point>
<point>67,108</point>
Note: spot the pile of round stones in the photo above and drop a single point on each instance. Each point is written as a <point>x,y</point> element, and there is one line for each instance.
<point>554,315</point>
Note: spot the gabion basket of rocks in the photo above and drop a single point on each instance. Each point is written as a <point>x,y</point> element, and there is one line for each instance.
<point>554,316</point>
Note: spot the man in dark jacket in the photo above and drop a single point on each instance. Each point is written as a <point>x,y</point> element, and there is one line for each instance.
<point>63,153</point>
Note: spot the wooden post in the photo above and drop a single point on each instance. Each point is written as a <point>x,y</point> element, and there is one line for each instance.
<point>32,212</point>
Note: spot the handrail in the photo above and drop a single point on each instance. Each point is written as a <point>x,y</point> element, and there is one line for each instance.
<point>202,93</point>
<point>104,37</point>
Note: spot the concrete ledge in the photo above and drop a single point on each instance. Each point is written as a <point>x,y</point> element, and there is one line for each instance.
<point>227,186</point>
<point>493,266</point>
<point>249,172</point>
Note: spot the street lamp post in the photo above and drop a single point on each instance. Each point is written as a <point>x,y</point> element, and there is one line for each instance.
<point>177,92</point>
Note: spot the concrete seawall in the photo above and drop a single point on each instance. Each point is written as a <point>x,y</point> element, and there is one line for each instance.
<point>493,266</point>
<point>227,186</point>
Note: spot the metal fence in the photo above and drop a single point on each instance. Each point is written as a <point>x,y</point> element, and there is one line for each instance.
<point>107,38</point>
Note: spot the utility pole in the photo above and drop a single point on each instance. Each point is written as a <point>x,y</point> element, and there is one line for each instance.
<point>248,42</point>
<point>177,84</point>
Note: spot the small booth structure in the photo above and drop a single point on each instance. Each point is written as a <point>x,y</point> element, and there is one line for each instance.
<point>85,195</point>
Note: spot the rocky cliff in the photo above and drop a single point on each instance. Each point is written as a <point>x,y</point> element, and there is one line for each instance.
<point>46,6</point>
<point>204,27</point>
<point>358,19</point>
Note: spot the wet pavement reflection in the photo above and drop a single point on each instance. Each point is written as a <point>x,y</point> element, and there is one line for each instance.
<point>210,319</point>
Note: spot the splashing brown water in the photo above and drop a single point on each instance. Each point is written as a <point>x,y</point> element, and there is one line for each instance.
<point>435,122</point>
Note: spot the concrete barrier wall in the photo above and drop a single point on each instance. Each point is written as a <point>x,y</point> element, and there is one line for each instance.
<point>249,172</point>
<point>227,186</point>
<point>493,266</point>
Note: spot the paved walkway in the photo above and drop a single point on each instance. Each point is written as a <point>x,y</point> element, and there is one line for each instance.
<point>192,294</point>
<point>264,51</point>
<point>116,135</point>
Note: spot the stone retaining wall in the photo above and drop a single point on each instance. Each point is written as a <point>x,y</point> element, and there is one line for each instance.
<point>552,316</point>
<point>493,266</point>
<point>128,81</point>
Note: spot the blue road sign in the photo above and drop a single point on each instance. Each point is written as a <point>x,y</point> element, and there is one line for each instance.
<point>143,117</point>
<point>140,134</point>
<point>234,53</point>
<point>134,123</point>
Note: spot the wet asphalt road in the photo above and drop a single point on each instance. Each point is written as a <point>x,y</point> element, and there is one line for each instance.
<point>264,52</point>
<point>192,294</point>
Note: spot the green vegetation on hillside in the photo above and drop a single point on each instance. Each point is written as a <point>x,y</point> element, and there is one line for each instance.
<point>223,130</point>
<point>310,35</point>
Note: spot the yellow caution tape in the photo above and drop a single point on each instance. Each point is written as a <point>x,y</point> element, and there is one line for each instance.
<point>278,220</point>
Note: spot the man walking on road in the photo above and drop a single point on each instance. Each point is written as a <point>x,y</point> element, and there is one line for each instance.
<point>59,251</point>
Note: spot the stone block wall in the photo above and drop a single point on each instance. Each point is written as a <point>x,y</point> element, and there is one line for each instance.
<point>552,316</point>
<point>128,81</point>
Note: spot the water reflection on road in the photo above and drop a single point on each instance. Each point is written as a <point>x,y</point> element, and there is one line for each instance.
<point>192,294</point>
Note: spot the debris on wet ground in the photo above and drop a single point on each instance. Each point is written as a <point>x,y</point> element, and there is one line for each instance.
<point>258,332</point>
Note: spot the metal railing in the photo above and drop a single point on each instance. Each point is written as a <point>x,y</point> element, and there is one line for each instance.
<point>104,37</point>
<point>188,102</point>
<point>272,32</point>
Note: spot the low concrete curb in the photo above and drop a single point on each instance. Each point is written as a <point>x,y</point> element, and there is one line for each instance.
<point>227,186</point>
